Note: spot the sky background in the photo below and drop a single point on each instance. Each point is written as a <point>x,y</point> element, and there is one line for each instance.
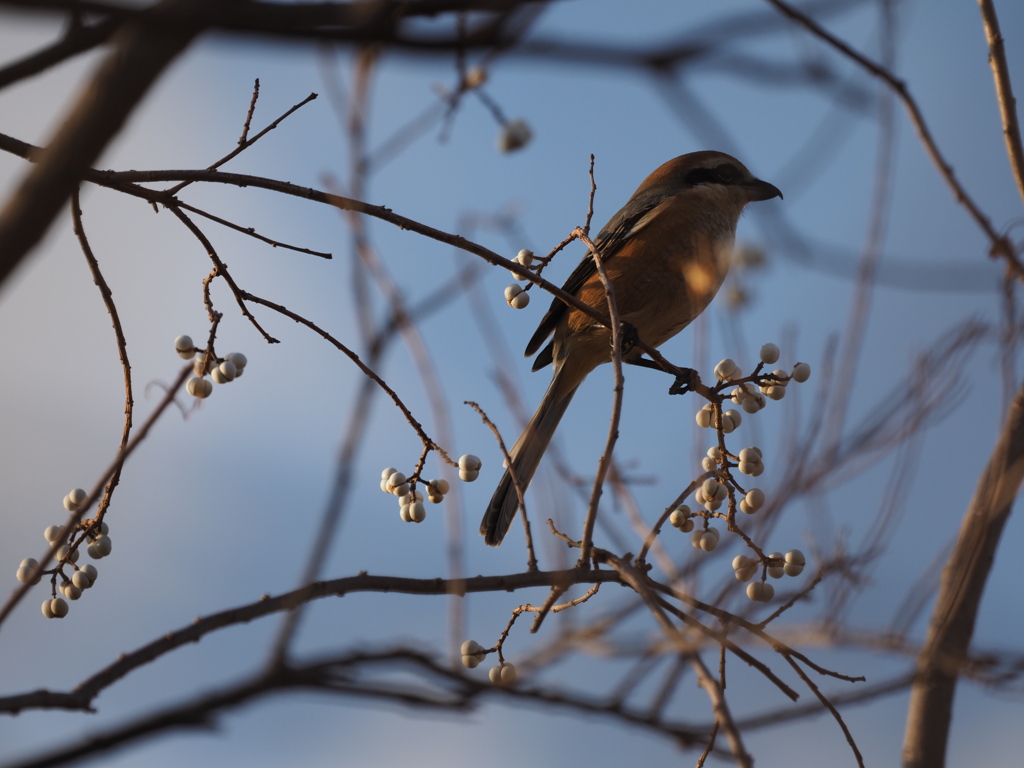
<point>220,507</point>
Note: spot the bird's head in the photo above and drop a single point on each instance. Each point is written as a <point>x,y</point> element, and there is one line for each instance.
<point>716,175</point>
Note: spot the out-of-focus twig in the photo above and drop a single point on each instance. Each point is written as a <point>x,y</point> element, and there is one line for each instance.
<point>1000,244</point>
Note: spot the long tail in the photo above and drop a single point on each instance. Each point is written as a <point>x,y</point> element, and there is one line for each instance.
<point>526,455</point>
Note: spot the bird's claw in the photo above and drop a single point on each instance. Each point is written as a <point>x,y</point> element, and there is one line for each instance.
<point>685,382</point>
<point>628,337</point>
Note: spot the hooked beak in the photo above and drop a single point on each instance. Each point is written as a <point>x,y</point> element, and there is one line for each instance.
<point>762,190</point>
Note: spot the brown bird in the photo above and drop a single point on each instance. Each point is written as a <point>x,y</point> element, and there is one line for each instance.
<point>666,252</point>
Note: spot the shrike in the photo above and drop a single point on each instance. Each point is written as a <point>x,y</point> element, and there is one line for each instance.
<point>666,253</point>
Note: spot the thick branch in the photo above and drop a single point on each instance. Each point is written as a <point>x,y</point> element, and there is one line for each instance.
<point>963,584</point>
<point>140,53</point>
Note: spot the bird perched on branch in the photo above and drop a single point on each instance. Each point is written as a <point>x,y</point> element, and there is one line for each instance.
<point>666,253</point>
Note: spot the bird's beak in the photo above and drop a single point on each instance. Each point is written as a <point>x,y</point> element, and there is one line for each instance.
<point>762,190</point>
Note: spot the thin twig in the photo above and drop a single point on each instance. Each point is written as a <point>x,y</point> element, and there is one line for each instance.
<point>222,271</point>
<point>251,232</point>
<point>1004,91</point>
<point>613,428</point>
<point>122,344</point>
<point>243,142</point>
<point>369,372</point>
<point>531,558</point>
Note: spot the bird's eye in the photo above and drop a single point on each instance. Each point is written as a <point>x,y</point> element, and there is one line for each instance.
<point>727,174</point>
<point>700,176</point>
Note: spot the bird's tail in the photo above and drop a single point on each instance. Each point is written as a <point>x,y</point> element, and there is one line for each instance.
<point>526,455</point>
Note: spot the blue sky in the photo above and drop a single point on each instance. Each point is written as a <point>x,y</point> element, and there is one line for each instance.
<point>220,507</point>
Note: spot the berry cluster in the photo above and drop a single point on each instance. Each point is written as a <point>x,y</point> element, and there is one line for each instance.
<point>750,392</point>
<point>751,395</point>
<point>410,500</point>
<point>221,370</point>
<point>67,555</point>
<point>502,675</point>
<point>515,295</point>
<point>777,565</point>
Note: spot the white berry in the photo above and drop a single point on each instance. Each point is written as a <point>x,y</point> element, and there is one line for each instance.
<point>74,499</point>
<point>228,370</point>
<point>730,420</point>
<point>752,502</point>
<point>100,547</point>
<point>25,570</point>
<point>680,516</point>
<point>704,416</point>
<point>795,562</point>
<point>769,354</point>
<point>70,591</point>
<point>727,370</point>
<point>514,135</point>
<point>754,403</point>
<point>760,591</point>
<point>417,512</point>
<point>520,300</point>
<point>469,461</point>
<point>475,77</point>
<point>801,372</point>
<point>199,387</point>
<point>58,607</point>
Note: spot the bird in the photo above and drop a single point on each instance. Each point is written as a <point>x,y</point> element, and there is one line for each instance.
<point>666,253</point>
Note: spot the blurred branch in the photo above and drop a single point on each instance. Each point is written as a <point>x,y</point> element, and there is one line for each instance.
<point>428,442</point>
<point>363,21</point>
<point>963,585</point>
<point>423,684</point>
<point>94,494</point>
<point>78,39</point>
<point>1000,244</point>
<point>140,53</point>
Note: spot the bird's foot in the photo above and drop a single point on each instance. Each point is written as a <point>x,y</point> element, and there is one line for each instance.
<point>628,337</point>
<point>687,381</point>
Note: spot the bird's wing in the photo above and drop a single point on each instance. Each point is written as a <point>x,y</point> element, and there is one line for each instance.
<point>622,226</point>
